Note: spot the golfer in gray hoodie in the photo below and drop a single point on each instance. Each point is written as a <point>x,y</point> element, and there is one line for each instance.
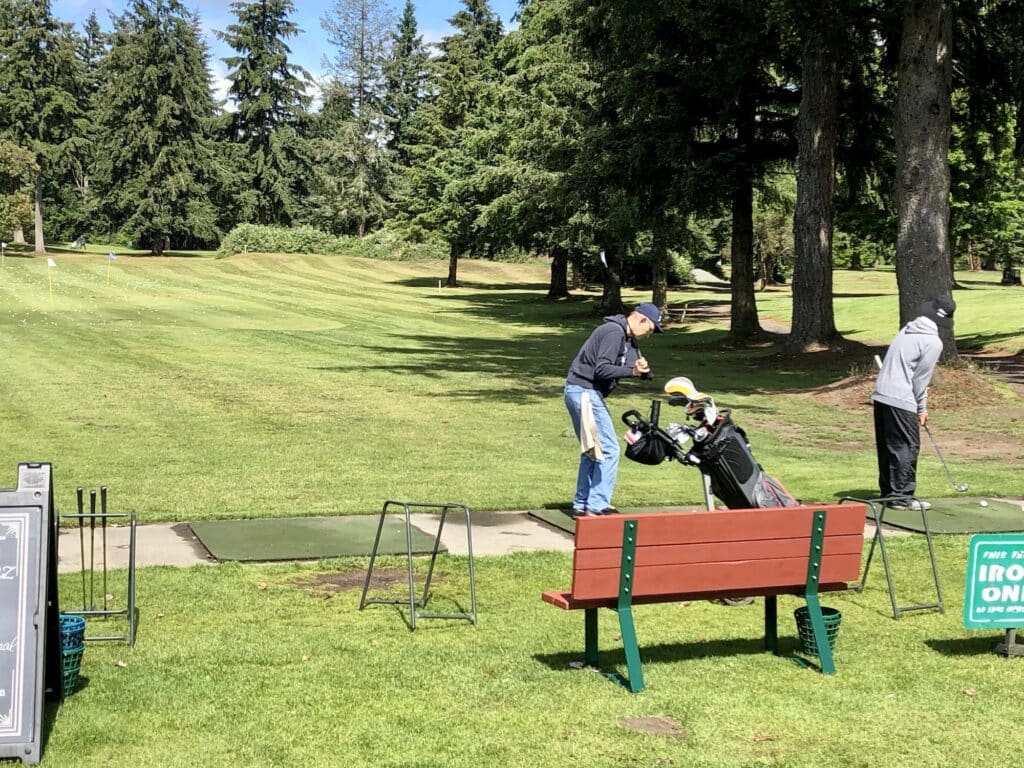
<point>901,399</point>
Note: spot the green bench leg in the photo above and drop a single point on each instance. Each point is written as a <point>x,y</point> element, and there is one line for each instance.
<point>814,559</point>
<point>771,624</point>
<point>635,682</point>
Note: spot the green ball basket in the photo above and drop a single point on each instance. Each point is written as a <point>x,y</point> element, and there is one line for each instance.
<point>805,629</point>
<point>71,664</point>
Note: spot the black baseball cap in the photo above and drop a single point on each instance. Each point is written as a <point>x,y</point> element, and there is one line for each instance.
<point>940,310</point>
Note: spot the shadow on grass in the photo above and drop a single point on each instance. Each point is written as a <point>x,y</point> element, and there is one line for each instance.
<point>666,653</point>
<point>964,646</point>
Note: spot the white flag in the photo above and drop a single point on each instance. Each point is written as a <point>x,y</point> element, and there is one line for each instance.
<point>603,260</point>
<point>111,257</point>
<point>51,263</point>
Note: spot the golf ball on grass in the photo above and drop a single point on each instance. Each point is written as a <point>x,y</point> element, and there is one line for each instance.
<point>983,503</point>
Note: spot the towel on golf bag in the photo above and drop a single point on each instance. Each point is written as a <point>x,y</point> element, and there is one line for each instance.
<point>736,477</point>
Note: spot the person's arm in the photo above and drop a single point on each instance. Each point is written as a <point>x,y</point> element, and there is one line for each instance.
<point>610,341</point>
<point>923,376</point>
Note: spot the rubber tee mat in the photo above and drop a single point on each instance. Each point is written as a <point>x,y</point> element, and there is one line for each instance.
<point>307,538</point>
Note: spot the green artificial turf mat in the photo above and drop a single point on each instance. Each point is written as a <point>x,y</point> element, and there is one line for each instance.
<point>306,538</point>
<point>961,515</point>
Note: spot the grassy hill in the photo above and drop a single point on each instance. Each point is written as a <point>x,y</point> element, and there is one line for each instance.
<point>272,385</point>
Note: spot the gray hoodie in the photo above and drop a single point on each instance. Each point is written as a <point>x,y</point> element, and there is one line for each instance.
<point>907,369</point>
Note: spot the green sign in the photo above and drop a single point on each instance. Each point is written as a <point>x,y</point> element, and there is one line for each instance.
<point>994,596</point>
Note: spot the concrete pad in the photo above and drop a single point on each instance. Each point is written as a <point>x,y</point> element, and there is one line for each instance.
<point>169,544</point>
<point>495,533</point>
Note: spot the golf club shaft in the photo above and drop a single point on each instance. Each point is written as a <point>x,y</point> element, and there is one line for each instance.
<point>103,523</point>
<point>92,549</point>
<point>81,538</point>
<point>956,486</point>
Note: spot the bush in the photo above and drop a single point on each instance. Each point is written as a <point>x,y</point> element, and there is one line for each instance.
<point>381,244</point>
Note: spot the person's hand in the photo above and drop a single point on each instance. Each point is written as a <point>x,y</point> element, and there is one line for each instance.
<point>640,367</point>
<point>922,418</point>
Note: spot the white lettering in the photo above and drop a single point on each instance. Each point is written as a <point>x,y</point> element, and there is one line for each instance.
<point>8,572</point>
<point>1011,593</point>
<point>990,594</point>
<point>9,647</point>
<point>995,573</point>
<point>1015,572</point>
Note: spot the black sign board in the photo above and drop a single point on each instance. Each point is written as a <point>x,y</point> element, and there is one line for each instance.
<point>29,624</point>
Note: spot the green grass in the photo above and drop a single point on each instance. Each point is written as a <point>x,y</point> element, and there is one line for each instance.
<point>240,665</point>
<point>260,385</point>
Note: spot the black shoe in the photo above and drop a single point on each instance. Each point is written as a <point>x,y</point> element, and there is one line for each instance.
<point>577,512</point>
<point>608,511</point>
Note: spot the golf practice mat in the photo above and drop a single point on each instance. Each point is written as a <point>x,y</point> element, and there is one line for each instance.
<point>960,514</point>
<point>308,538</point>
<point>560,518</point>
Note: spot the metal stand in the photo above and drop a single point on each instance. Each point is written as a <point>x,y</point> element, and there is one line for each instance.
<point>414,606</point>
<point>878,507</point>
<point>1010,647</point>
<point>89,607</point>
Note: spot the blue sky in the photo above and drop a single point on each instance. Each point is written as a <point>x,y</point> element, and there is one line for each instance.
<point>308,49</point>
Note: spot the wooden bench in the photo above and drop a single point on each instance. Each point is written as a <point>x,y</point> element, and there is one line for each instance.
<point>625,560</point>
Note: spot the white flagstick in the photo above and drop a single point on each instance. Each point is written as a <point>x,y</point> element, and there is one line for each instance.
<point>50,264</point>
<point>3,249</point>
<point>110,258</point>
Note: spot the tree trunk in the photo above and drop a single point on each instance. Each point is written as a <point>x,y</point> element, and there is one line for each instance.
<point>559,288</point>
<point>40,244</point>
<point>453,266</point>
<point>922,168</point>
<point>813,317</point>
<point>19,235</point>
<point>659,266</point>
<point>743,321</point>
<point>611,298</point>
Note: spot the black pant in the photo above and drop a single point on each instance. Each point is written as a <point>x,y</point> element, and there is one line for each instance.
<point>898,441</point>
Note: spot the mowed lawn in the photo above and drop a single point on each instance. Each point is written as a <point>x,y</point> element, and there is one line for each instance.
<point>265,666</point>
<point>276,385</point>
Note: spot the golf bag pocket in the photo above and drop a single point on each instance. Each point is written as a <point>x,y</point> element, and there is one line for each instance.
<point>647,446</point>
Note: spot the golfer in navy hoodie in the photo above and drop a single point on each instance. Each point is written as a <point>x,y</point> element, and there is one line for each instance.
<point>901,399</point>
<point>608,355</point>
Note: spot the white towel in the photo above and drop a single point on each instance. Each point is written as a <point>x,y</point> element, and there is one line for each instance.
<point>590,441</point>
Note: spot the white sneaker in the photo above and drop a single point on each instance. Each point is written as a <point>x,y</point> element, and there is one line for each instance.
<point>917,505</point>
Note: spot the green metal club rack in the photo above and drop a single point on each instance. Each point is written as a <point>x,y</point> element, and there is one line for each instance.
<point>416,607</point>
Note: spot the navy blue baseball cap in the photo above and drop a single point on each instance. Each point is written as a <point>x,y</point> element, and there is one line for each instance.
<point>940,310</point>
<point>652,313</point>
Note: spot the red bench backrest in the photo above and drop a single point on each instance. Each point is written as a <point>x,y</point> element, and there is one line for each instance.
<point>716,551</point>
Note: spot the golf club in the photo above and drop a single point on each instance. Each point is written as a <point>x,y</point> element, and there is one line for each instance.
<point>958,487</point>
<point>103,522</point>
<point>81,538</point>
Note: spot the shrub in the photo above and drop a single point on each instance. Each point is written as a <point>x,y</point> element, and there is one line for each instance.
<point>381,244</point>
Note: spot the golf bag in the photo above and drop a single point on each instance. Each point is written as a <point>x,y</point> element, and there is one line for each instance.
<point>720,452</point>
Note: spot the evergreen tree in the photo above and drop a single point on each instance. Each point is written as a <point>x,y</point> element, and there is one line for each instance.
<point>38,106</point>
<point>405,78</point>
<point>270,96</point>
<point>449,141</point>
<point>158,165</point>
<point>922,158</point>
<point>350,168</point>
<point>359,31</point>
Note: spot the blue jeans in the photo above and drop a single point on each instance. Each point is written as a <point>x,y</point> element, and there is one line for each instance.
<point>595,481</point>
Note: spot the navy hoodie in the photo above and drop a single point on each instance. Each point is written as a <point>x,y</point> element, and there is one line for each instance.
<point>607,356</point>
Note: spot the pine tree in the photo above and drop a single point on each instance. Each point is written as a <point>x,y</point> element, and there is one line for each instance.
<point>350,169</point>
<point>271,100</point>
<point>359,31</point>
<point>448,139</point>
<point>38,106</point>
<point>405,78</point>
<point>157,165</point>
